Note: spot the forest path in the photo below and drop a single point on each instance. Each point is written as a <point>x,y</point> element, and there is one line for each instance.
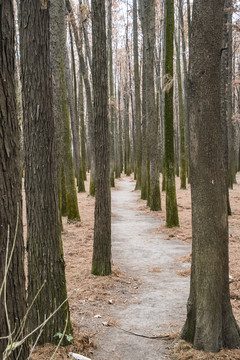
<point>159,303</point>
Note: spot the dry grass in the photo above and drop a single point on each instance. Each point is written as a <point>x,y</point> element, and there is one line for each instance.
<point>184,351</point>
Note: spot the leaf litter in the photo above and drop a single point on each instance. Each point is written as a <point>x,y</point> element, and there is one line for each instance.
<point>92,294</point>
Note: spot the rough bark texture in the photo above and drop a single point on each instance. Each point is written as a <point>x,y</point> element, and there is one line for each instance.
<point>210,323</point>
<point>149,33</point>
<point>111,92</point>
<point>171,202</point>
<point>101,261</point>
<point>138,139</point>
<point>10,191</point>
<point>45,255</point>
<point>144,175</point>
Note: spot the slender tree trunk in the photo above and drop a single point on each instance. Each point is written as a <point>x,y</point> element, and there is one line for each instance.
<point>84,73</point>
<point>144,167</point>
<point>185,85</point>
<point>101,262</point>
<point>127,168</point>
<point>12,295</point>
<point>45,254</point>
<point>171,202</point>
<point>120,129</point>
<point>111,91</point>
<point>82,127</point>
<point>149,29</point>
<point>78,160</point>
<point>181,117</point>
<point>210,323</point>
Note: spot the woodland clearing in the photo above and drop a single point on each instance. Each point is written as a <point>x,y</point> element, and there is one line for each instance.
<point>147,293</point>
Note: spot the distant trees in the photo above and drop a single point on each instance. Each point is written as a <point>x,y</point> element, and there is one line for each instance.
<point>210,323</point>
<point>12,279</point>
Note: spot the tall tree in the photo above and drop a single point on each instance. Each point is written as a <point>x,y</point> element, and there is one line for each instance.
<point>181,111</point>
<point>13,298</point>
<point>111,92</point>
<point>138,139</point>
<point>210,323</point>
<point>149,28</point>
<point>171,202</point>
<point>45,254</point>
<point>144,174</point>
<point>84,73</point>
<point>101,261</point>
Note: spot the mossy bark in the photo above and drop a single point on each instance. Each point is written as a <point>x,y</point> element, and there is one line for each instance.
<point>71,195</point>
<point>171,201</point>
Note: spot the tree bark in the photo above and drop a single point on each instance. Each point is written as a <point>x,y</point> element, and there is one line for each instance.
<point>45,254</point>
<point>171,202</point>
<point>210,323</point>
<point>111,92</point>
<point>144,167</point>
<point>138,140</point>
<point>13,301</point>
<point>101,261</point>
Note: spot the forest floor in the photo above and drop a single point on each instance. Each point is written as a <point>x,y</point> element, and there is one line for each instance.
<point>147,292</point>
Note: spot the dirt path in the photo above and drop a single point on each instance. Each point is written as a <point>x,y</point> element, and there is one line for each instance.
<point>159,303</point>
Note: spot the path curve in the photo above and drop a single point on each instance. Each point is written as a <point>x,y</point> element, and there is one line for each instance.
<point>159,305</point>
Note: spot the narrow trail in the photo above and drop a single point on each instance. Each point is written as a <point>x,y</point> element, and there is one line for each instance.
<point>159,306</point>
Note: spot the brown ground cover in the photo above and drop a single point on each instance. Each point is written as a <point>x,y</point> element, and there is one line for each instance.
<point>90,296</point>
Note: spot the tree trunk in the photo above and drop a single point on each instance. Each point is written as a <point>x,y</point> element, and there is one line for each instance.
<point>111,91</point>
<point>13,302</point>
<point>45,254</point>
<point>210,323</point>
<point>171,202</point>
<point>82,127</point>
<point>78,160</point>
<point>84,73</point>
<point>101,261</point>
<point>138,139</point>
<point>149,33</point>
<point>181,115</point>
<point>144,167</point>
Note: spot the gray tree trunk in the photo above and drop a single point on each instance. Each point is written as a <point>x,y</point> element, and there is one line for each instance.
<point>210,323</point>
<point>44,244</point>
<point>13,307</point>
<point>101,261</point>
